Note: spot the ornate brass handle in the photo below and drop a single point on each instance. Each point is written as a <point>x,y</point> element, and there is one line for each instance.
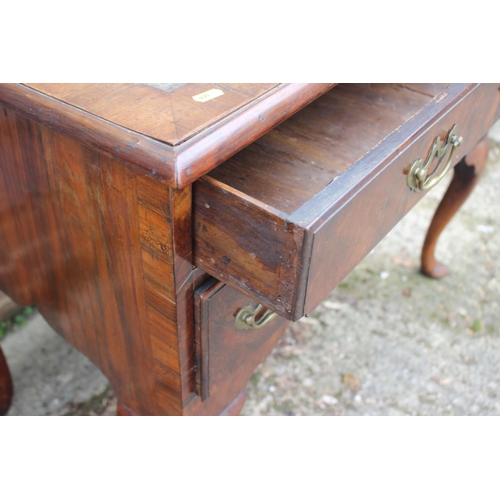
<point>418,178</point>
<point>246,319</point>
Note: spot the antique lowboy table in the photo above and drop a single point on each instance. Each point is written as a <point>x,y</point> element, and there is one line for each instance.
<point>147,222</point>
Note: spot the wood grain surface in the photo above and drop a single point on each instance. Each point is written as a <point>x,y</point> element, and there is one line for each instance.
<point>105,254</point>
<point>171,116</point>
<point>202,135</point>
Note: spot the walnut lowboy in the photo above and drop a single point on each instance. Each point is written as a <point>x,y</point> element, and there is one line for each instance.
<point>150,224</point>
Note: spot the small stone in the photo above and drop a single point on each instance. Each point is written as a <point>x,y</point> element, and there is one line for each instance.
<point>328,400</point>
<point>307,382</point>
<point>485,229</point>
<point>445,381</point>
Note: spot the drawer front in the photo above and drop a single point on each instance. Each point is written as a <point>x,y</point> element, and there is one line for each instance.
<point>226,354</point>
<point>291,262</point>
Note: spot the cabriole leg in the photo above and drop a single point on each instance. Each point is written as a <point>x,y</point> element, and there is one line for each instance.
<point>466,175</point>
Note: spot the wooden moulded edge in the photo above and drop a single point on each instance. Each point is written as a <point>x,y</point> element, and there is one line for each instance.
<point>177,166</point>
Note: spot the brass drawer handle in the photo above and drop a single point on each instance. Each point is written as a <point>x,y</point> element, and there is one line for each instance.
<point>418,178</point>
<point>246,318</point>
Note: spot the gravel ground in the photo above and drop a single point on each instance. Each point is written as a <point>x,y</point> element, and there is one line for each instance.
<point>387,341</point>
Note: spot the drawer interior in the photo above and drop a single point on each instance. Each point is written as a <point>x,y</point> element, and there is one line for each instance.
<point>292,163</point>
<point>287,218</point>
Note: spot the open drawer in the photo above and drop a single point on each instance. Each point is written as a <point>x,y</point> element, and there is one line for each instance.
<point>287,218</point>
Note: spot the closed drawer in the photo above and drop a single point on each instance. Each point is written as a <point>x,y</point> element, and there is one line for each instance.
<point>286,219</point>
<point>227,354</point>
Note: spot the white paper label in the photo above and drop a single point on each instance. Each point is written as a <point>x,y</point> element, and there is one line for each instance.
<point>209,94</point>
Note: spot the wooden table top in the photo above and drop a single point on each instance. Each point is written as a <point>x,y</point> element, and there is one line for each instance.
<point>166,112</point>
<point>176,132</point>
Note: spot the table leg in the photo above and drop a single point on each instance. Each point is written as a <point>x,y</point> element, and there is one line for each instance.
<point>466,175</point>
<point>6,387</point>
